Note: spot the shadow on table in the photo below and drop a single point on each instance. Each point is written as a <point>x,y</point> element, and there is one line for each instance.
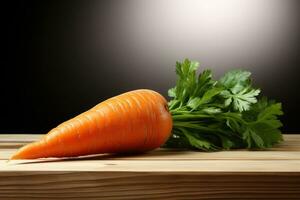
<point>155,154</point>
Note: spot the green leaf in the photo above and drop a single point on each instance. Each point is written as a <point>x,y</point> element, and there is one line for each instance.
<point>194,102</point>
<point>187,81</point>
<point>239,93</point>
<point>193,65</point>
<point>226,142</point>
<point>206,98</point>
<point>269,134</point>
<point>204,83</point>
<point>172,92</point>
<point>212,115</point>
<point>253,140</point>
<point>211,110</point>
<point>242,100</point>
<point>270,111</point>
<point>198,142</point>
<point>204,77</point>
<point>236,80</point>
<point>263,120</point>
<point>209,94</point>
<point>264,110</point>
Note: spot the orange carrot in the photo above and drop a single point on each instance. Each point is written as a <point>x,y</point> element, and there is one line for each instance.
<point>135,121</point>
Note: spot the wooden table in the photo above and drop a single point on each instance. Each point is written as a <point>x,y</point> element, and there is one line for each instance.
<point>160,174</point>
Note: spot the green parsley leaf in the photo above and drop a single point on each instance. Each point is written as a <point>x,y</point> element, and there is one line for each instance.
<point>236,80</point>
<point>241,100</point>
<point>212,115</point>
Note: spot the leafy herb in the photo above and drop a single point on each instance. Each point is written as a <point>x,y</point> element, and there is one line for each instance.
<point>213,115</point>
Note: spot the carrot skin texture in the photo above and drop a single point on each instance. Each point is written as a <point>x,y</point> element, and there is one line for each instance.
<point>135,121</point>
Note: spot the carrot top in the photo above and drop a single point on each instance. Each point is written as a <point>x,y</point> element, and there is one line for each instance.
<point>228,113</point>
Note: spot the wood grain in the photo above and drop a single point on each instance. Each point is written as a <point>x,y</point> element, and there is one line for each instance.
<point>160,174</point>
<point>107,165</point>
<point>168,154</point>
<point>94,185</point>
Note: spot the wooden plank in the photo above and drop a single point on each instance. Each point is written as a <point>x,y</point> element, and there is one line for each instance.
<point>154,166</point>
<point>159,174</point>
<point>148,185</point>
<point>19,137</point>
<point>169,154</point>
<point>13,141</point>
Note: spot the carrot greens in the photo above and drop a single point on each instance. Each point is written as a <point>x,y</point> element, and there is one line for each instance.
<point>228,113</point>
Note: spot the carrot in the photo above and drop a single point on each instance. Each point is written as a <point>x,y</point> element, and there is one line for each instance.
<point>135,121</point>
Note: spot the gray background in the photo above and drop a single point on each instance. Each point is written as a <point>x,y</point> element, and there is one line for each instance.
<point>63,57</point>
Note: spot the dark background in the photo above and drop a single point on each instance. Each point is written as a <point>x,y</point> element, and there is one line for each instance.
<point>63,57</point>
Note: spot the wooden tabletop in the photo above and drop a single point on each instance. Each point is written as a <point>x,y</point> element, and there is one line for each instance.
<point>160,174</point>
